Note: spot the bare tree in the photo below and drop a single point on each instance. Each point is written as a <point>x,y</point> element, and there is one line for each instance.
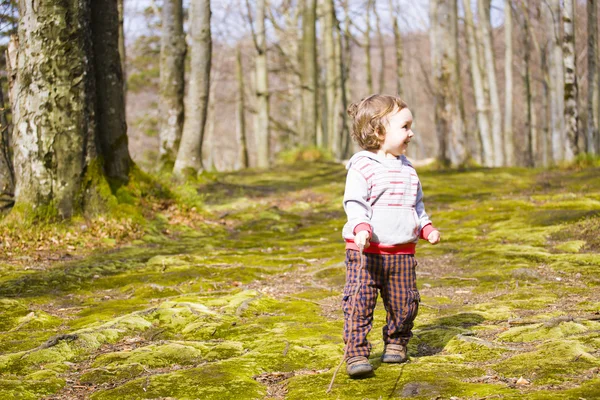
<point>172,57</point>
<point>7,174</point>
<point>240,112</point>
<point>476,76</point>
<point>189,156</point>
<point>369,68</point>
<point>490,71</point>
<point>571,87</point>
<point>309,73</point>
<point>529,144</point>
<point>331,76</point>
<point>381,45</point>
<point>448,112</point>
<point>592,45</point>
<point>261,122</point>
<point>508,80</point>
<point>398,47</point>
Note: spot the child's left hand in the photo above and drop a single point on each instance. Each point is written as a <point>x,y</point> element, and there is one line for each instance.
<point>434,237</point>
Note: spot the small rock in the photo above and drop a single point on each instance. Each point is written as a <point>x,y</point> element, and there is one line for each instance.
<point>578,275</point>
<point>558,278</point>
<point>522,381</point>
<point>427,285</point>
<point>96,276</point>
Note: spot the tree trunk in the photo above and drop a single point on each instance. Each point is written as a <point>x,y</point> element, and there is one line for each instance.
<point>331,76</point>
<point>122,51</point>
<point>490,68</point>
<point>509,150</point>
<point>7,175</point>
<point>172,57</point>
<point>551,15</point>
<point>381,45</point>
<point>398,48</point>
<point>261,122</point>
<point>448,113</point>
<point>53,113</point>
<point>110,102</point>
<point>309,76</point>
<point>545,111</point>
<point>344,57</point>
<point>571,88</point>
<point>529,134</point>
<point>240,113</point>
<point>592,130</point>
<point>189,156</point>
<point>369,69</point>
<point>481,106</point>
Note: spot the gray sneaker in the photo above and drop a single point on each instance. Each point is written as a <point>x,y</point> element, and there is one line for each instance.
<point>394,353</point>
<point>358,366</point>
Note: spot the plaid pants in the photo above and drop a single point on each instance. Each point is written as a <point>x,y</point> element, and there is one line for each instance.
<point>393,275</point>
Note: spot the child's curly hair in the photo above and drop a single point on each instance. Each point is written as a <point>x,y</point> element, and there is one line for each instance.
<point>368,115</point>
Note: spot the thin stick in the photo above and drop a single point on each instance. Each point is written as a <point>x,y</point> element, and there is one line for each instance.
<point>350,327</point>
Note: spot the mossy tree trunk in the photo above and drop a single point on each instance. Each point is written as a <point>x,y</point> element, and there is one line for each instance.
<point>530,121</point>
<point>261,122</point>
<point>571,86</point>
<point>309,73</point>
<point>189,156</point>
<point>7,175</point>
<point>53,113</point>
<point>110,104</point>
<point>448,111</point>
<point>172,57</point>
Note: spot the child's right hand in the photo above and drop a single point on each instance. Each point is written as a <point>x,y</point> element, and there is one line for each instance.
<point>361,239</point>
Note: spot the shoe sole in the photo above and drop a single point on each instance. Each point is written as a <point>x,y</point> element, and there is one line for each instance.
<point>360,370</point>
<point>389,359</point>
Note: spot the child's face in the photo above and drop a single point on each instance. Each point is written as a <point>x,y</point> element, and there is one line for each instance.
<point>398,132</point>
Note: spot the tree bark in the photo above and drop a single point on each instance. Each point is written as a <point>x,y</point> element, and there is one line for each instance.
<point>240,113</point>
<point>571,86</point>
<point>189,156</point>
<point>110,101</point>
<point>592,28</point>
<point>398,47</point>
<point>448,113</point>
<point>172,57</point>
<point>481,106</point>
<point>551,15</point>
<point>368,67</point>
<point>53,113</point>
<point>261,122</point>
<point>530,125</point>
<point>381,45</point>
<point>509,150</point>
<point>122,50</point>
<point>331,77</point>
<point>309,75</point>
<point>490,68</point>
<point>7,174</point>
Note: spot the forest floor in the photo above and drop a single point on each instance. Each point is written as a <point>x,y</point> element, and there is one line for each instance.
<point>243,301</point>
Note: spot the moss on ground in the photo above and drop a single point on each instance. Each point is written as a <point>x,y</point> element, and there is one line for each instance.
<point>243,301</point>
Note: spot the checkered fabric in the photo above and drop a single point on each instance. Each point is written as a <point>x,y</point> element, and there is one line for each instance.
<point>393,275</point>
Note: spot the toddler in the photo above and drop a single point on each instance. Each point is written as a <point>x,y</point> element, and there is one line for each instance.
<point>386,217</point>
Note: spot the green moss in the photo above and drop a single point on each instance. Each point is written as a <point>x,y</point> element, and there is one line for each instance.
<point>553,362</point>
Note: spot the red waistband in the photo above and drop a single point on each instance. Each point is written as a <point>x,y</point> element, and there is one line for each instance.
<point>378,248</point>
